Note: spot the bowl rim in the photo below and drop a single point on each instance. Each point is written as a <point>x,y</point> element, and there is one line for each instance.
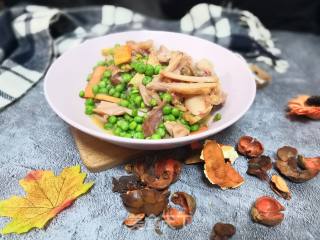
<point>131,141</point>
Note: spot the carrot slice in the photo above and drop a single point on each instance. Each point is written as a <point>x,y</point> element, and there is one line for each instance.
<point>94,80</point>
<point>122,54</point>
<point>201,129</point>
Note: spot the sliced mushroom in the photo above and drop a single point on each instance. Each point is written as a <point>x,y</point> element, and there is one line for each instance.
<point>286,164</point>
<point>176,129</point>
<point>280,187</point>
<point>140,47</point>
<point>153,59</point>
<point>148,201</point>
<point>111,109</point>
<point>175,218</point>
<point>148,95</point>
<point>259,166</point>
<point>250,147</point>
<point>163,54</point>
<point>203,68</point>
<point>268,211</point>
<point>174,61</point>
<point>153,120</point>
<point>222,231</point>
<point>192,79</point>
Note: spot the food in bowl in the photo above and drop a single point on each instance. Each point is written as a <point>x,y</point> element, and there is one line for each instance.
<point>144,92</point>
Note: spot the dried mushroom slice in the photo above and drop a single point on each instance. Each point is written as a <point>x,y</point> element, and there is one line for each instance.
<point>267,211</point>
<point>222,231</point>
<point>217,170</point>
<point>250,147</point>
<point>259,166</point>
<point>156,174</point>
<point>176,218</point>
<point>134,221</point>
<point>148,201</point>
<point>287,165</point>
<point>280,187</point>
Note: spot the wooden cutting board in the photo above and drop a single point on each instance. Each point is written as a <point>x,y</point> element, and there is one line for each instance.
<point>98,155</point>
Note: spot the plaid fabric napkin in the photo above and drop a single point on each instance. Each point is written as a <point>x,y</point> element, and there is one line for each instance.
<point>33,36</point>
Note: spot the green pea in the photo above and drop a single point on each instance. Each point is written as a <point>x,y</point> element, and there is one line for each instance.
<point>123,134</point>
<point>110,62</point>
<point>194,127</point>
<point>107,73</point>
<point>161,94</point>
<point>123,124</point>
<point>138,135</point>
<point>138,100</point>
<point>153,102</point>
<point>139,128</point>
<point>133,125</point>
<point>128,117</point>
<point>161,132</point>
<point>117,131</point>
<point>120,88</point>
<point>128,135</point>
<point>166,109</point>
<point>112,119</point>
<point>81,93</point>
<point>103,90</point>
<point>157,69</point>
<point>95,89</point>
<point>89,110</point>
<point>105,79</point>
<point>102,84</point>
<point>161,125</point>
<point>124,103</point>
<point>217,117</point>
<point>116,94</point>
<point>90,102</point>
<point>183,121</point>
<point>112,91</point>
<point>126,77</point>
<point>169,118</point>
<point>131,105</point>
<point>140,67</point>
<point>167,97</point>
<point>142,105</point>
<point>175,112</point>
<point>146,80</point>
<point>138,119</point>
<point>123,96</point>
<point>134,91</point>
<point>149,70</point>
<point>134,112</point>
<point>101,63</point>
<point>108,126</point>
<point>155,136</point>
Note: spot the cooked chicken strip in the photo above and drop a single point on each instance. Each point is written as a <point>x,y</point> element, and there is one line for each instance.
<point>111,109</point>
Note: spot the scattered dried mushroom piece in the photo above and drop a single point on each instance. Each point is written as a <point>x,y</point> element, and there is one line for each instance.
<point>286,164</point>
<point>175,218</point>
<point>250,147</point>
<point>259,166</point>
<point>134,221</point>
<point>159,174</point>
<point>267,211</point>
<point>280,187</point>
<point>304,105</point>
<point>261,76</point>
<point>217,170</point>
<point>222,231</point>
<point>147,200</point>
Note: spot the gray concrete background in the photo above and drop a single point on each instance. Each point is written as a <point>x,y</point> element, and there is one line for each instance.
<point>33,137</point>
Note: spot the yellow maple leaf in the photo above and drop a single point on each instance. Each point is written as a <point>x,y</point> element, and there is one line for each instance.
<point>47,195</point>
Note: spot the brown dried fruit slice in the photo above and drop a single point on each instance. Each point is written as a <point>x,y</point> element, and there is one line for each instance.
<point>250,147</point>
<point>175,218</point>
<point>217,170</point>
<point>300,106</point>
<point>158,174</point>
<point>126,183</point>
<point>259,166</point>
<point>280,187</point>
<point>267,211</point>
<point>147,200</point>
<point>134,220</point>
<point>287,165</point>
<point>222,231</point>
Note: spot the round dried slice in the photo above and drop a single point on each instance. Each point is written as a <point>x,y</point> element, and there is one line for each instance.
<point>222,231</point>
<point>249,146</point>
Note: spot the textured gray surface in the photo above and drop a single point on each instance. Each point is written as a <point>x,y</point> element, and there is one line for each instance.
<point>33,137</point>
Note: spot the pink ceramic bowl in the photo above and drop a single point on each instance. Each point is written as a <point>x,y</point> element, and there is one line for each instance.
<point>67,76</point>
